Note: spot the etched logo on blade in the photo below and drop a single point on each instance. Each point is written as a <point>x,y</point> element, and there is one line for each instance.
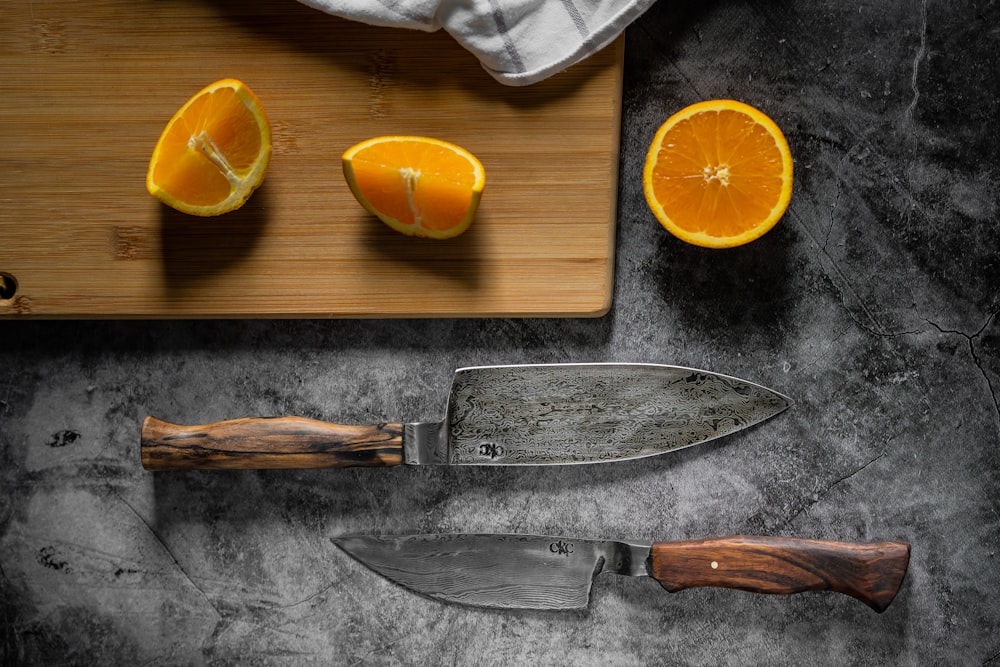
<point>561,548</point>
<point>491,450</point>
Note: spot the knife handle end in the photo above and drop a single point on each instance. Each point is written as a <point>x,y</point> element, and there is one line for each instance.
<point>268,443</point>
<point>871,573</point>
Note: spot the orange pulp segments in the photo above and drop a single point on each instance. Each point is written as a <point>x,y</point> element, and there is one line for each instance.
<point>718,174</point>
<point>213,153</point>
<point>418,186</point>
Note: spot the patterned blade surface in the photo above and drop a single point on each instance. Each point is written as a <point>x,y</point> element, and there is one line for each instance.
<point>587,413</point>
<point>499,571</point>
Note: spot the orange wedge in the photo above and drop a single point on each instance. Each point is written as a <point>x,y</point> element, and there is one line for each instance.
<point>416,185</point>
<point>213,153</point>
<point>718,174</point>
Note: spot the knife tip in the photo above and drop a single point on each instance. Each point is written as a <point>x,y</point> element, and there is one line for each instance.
<point>784,402</point>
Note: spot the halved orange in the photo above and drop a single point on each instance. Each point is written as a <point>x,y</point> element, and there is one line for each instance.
<point>416,185</point>
<point>718,174</point>
<point>213,153</point>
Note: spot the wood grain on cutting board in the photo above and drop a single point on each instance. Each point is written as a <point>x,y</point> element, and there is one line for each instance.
<point>88,87</point>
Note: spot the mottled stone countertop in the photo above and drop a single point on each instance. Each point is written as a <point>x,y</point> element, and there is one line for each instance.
<point>874,304</point>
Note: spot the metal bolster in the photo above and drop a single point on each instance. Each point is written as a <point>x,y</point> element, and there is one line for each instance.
<point>640,561</point>
<point>629,559</point>
<point>425,443</point>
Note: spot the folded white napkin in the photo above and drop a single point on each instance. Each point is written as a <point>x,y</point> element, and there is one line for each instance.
<point>519,42</point>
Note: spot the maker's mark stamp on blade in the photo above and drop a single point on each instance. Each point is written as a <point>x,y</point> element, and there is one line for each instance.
<point>561,547</point>
<point>492,451</point>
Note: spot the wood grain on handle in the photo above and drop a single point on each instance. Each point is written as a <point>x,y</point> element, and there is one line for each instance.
<point>268,443</point>
<point>871,573</point>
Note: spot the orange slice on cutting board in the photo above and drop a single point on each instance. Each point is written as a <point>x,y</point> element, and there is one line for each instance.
<point>718,174</point>
<point>418,186</point>
<point>213,153</point>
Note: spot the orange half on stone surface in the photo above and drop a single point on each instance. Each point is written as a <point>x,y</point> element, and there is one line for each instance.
<point>418,186</point>
<point>718,174</point>
<point>213,153</point>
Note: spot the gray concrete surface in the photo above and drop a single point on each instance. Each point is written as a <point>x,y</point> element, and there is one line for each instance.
<point>873,304</point>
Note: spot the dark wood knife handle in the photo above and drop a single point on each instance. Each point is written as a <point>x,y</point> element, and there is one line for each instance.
<point>268,443</point>
<point>871,573</point>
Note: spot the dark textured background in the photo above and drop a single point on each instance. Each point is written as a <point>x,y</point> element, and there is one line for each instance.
<point>873,304</point>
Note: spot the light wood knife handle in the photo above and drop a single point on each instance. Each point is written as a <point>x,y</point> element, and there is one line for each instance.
<point>268,443</point>
<point>871,573</point>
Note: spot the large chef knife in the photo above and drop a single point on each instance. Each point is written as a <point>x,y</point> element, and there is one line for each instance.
<point>497,415</point>
<point>551,573</point>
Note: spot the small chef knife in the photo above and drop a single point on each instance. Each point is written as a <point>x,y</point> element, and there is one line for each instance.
<point>497,415</point>
<point>554,573</point>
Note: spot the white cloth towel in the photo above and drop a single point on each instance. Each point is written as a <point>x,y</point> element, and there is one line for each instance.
<point>519,42</point>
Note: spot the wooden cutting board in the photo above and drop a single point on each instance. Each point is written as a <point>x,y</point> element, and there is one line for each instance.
<point>86,89</point>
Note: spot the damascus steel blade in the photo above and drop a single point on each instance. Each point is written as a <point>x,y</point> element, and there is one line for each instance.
<point>589,413</point>
<point>498,571</point>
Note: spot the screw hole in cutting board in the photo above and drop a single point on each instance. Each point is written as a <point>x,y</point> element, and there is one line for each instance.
<point>8,286</point>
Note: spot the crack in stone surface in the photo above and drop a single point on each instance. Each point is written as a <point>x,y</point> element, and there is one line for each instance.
<point>168,551</point>
<point>839,278</point>
<point>829,488</point>
<point>832,217</point>
<point>921,53</point>
<point>844,285</point>
<point>879,334</point>
<point>971,340</point>
<point>307,598</point>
